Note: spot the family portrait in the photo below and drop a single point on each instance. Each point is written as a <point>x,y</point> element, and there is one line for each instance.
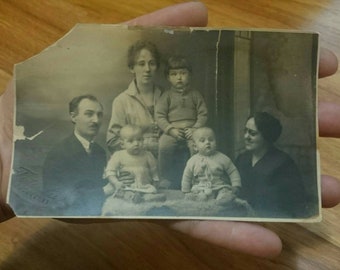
<point>129,122</point>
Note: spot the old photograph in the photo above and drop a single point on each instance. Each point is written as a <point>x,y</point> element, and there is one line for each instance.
<point>179,123</point>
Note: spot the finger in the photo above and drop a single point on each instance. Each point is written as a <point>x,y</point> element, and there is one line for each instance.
<point>185,14</point>
<point>6,134</point>
<point>123,174</point>
<point>6,122</point>
<point>127,182</point>
<point>248,238</point>
<point>127,177</point>
<point>244,237</point>
<point>329,123</point>
<point>328,63</point>
<point>330,191</point>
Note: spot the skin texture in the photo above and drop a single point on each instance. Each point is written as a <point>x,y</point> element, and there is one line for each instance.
<point>245,237</point>
<point>88,118</point>
<point>179,78</point>
<point>145,67</point>
<point>133,143</point>
<point>253,138</point>
<point>205,141</point>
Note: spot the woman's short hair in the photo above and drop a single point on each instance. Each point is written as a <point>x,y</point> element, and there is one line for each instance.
<point>269,126</point>
<point>135,49</point>
<point>177,62</point>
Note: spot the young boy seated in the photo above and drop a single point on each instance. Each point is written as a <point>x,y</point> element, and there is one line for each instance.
<point>138,162</point>
<point>209,173</point>
<point>178,112</point>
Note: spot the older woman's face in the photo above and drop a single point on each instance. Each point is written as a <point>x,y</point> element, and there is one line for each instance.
<point>145,67</point>
<point>253,139</point>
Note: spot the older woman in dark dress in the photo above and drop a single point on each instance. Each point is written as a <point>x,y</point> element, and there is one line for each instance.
<point>270,178</point>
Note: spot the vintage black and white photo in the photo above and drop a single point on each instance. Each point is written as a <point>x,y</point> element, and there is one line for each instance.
<point>129,122</point>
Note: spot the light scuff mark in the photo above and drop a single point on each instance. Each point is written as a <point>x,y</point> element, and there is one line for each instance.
<point>19,134</point>
<point>169,31</point>
<point>216,69</point>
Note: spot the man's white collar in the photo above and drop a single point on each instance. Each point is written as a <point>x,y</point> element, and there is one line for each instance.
<point>84,142</point>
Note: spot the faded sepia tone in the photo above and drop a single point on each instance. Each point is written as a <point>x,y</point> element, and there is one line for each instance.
<point>238,73</point>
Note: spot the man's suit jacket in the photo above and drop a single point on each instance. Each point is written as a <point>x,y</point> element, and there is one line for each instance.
<point>73,175</point>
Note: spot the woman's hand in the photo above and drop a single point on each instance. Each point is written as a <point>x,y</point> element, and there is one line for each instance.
<point>245,237</point>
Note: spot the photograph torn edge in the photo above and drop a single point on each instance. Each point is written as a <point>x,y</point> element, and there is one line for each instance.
<point>170,30</point>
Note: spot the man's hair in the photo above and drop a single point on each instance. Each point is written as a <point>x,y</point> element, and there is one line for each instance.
<point>74,103</point>
<point>177,62</point>
<point>269,126</point>
<point>136,48</point>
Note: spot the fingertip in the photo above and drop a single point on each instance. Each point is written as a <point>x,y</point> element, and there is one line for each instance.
<point>261,242</point>
<point>184,14</point>
<point>200,11</point>
<point>330,191</point>
<point>329,115</point>
<point>328,63</point>
<point>248,238</point>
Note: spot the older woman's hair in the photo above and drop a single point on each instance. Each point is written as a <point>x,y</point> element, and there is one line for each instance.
<point>269,127</point>
<point>135,49</point>
<point>177,62</point>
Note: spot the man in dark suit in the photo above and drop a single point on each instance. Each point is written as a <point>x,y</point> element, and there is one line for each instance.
<point>73,169</point>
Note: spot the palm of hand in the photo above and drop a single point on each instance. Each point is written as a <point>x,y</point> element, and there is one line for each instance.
<point>241,236</point>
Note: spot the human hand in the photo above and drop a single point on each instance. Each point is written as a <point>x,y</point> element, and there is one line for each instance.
<point>245,237</point>
<point>108,189</point>
<point>126,178</point>
<point>6,133</point>
<point>188,133</point>
<point>115,185</point>
<point>177,133</point>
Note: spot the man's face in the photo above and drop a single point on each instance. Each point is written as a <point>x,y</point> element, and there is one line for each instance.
<point>179,78</point>
<point>88,119</point>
